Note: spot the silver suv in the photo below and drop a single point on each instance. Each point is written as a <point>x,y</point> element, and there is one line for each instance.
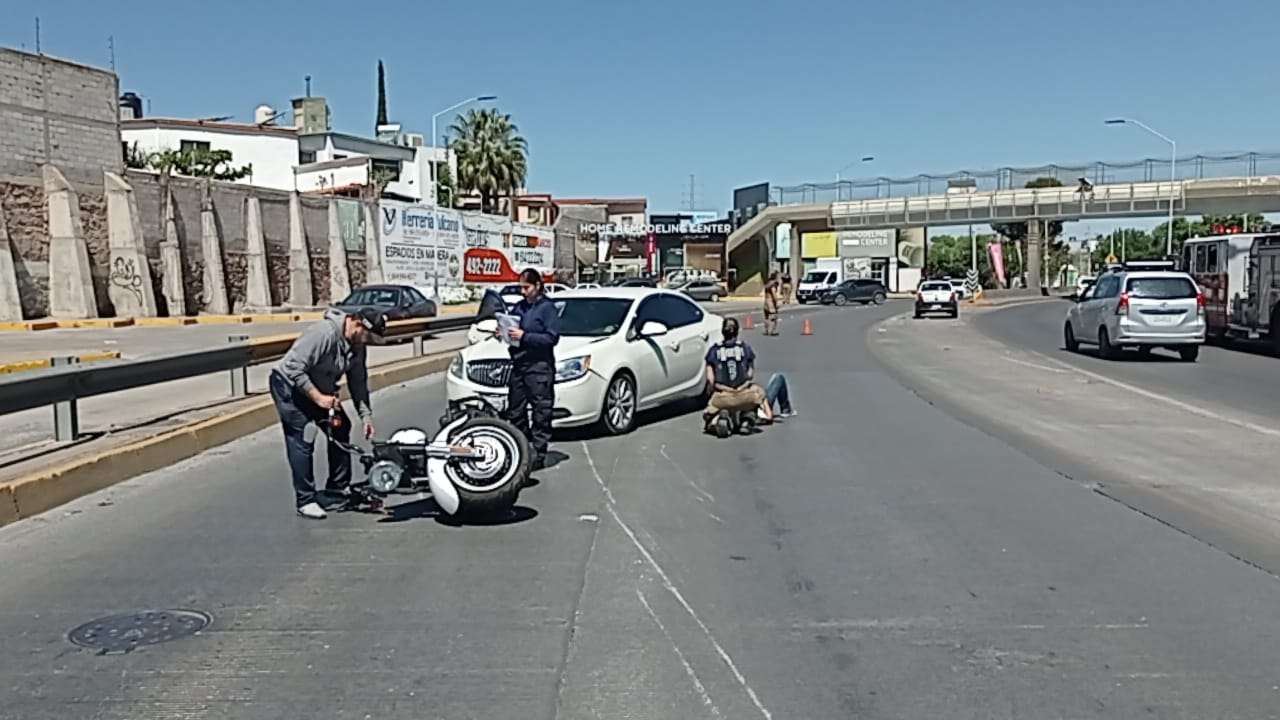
<point>1140,305</point>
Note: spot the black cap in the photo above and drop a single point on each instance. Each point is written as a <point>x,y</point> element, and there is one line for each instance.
<point>372,320</point>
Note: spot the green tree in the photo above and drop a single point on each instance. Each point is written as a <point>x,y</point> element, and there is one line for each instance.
<point>382,97</point>
<point>1017,232</point>
<point>213,164</point>
<point>492,156</point>
<point>445,187</point>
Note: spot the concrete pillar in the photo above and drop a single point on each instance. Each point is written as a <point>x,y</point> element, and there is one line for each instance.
<point>257,287</point>
<point>339,272</point>
<point>372,244</point>
<point>10,298</point>
<point>171,281</point>
<point>300,294</point>
<point>215,279</point>
<point>130,289</point>
<point>70,276</point>
<point>1035,244</point>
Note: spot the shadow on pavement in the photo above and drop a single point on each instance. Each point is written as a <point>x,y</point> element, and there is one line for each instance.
<point>514,516</point>
<point>654,416</point>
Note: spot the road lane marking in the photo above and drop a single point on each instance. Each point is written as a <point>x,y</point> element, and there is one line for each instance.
<point>1033,365</point>
<point>697,488</point>
<point>688,669</point>
<point>611,506</point>
<point>1163,398</point>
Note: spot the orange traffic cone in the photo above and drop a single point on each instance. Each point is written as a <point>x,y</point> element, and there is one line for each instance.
<point>808,327</point>
<point>749,324</point>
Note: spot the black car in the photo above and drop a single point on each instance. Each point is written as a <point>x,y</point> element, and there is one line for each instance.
<point>860,290</point>
<point>397,302</point>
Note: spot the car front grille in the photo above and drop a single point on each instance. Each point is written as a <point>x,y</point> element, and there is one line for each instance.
<point>490,373</point>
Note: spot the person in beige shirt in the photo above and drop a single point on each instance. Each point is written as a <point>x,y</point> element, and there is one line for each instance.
<point>771,291</point>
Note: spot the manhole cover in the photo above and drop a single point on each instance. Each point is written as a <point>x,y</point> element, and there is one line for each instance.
<point>123,633</point>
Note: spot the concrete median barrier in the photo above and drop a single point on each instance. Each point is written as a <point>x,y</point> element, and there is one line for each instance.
<point>48,488</point>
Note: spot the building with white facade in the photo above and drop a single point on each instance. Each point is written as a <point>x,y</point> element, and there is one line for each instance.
<point>307,156</point>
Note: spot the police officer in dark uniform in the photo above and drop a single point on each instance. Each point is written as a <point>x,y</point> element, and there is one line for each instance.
<point>533,365</point>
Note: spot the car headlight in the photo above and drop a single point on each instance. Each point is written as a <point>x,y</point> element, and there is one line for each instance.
<point>455,367</point>
<point>573,368</point>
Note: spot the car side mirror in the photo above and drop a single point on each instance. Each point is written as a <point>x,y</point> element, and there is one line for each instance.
<point>653,328</point>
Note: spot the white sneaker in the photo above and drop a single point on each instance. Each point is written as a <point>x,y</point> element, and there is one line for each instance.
<point>788,414</point>
<point>313,510</point>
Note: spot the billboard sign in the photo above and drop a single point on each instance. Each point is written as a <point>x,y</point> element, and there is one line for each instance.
<point>867,243</point>
<point>421,245</point>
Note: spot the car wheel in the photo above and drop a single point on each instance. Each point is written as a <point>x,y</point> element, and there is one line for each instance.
<point>1106,350</point>
<point>715,297</point>
<point>1189,353</point>
<point>879,298</point>
<point>955,313</point>
<point>840,299</point>
<point>618,415</point>
<point>1069,338</point>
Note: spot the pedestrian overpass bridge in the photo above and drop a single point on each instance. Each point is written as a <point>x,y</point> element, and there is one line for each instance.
<point>750,245</point>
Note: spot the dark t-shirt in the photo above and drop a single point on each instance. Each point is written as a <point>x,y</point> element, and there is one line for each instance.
<point>732,363</point>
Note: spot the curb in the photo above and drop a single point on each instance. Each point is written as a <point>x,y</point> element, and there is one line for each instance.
<point>255,318</point>
<point>25,365</point>
<point>46,489</point>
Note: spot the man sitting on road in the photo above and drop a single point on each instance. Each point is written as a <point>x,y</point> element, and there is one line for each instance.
<point>730,369</point>
<point>304,386</point>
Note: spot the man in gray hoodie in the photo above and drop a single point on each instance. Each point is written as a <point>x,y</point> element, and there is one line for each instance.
<point>304,385</point>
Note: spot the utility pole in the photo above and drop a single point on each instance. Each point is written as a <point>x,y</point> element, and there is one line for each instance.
<point>692,192</point>
<point>111,51</point>
<point>38,35</point>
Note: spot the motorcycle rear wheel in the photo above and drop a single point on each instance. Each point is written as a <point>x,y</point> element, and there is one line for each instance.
<point>489,486</point>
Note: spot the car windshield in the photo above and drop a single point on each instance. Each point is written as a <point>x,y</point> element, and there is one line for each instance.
<point>372,296</point>
<point>592,317</point>
<point>1162,288</point>
<point>817,276</point>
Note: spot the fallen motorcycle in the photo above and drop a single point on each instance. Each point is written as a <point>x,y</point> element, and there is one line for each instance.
<point>474,466</point>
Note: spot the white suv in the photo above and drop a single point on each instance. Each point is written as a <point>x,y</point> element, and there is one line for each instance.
<point>1141,306</point>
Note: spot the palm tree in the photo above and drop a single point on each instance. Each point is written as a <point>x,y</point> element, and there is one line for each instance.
<point>492,157</point>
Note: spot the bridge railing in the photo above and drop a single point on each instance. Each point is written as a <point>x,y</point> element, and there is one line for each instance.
<point>64,384</point>
<point>1193,167</point>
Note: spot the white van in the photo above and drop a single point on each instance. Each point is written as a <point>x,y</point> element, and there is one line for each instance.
<point>817,280</point>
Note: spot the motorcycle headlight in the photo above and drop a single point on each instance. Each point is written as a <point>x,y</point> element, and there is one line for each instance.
<point>455,367</point>
<point>385,476</point>
<point>573,368</point>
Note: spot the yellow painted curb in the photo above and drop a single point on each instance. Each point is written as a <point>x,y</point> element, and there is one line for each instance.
<point>46,489</point>
<point>165,321</point>
<point>38,363</point>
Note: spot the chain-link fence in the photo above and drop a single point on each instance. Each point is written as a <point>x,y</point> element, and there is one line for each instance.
<point>1194,167</point>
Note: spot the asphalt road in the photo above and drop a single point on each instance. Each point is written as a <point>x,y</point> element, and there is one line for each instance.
<point>870,558</point>
<point>1240,378</point>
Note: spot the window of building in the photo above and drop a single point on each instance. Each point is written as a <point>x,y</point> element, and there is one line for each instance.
<point>306,157</point>
<point>193,145</point>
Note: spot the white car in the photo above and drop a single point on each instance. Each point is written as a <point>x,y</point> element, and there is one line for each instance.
<point>621,350</point>
<point>511,293</point>
<point>1143,305</point>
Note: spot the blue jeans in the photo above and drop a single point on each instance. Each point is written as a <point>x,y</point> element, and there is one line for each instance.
<point>296,413</point>
<point>778,392</point>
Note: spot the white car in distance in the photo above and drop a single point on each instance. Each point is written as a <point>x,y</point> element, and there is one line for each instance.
<point>621,350</point>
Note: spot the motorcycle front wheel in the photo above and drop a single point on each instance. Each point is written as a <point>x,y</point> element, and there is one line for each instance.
<point>490,484</point>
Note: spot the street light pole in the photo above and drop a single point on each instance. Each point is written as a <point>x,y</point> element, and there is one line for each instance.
<point>434,138</point>
<point>1173,171</point>
<point>863,159</point>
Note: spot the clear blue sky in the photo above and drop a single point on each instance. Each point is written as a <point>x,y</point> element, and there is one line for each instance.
<point>630,98</point>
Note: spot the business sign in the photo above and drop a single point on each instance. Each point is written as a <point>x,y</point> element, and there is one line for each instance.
<point>866,243</point>
<point>782,241</point>
<point>421,246</point>
<point>817,245</point>
<point>485,231</point>
<point>525,246</point>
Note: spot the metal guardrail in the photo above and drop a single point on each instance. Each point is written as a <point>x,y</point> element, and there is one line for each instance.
<point>68,381</point>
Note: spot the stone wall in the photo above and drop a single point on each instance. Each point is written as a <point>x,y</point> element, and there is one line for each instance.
<point>54,111</point>
<point>23,204</point>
